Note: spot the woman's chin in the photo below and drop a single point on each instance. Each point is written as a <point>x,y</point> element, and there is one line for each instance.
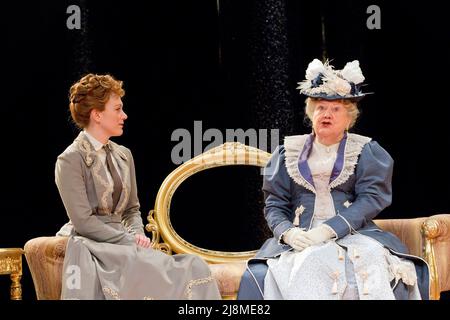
<point>117,133</point>
<point>325,131</point>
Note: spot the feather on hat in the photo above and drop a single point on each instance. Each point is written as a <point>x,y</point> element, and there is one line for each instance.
<point>322,81</point>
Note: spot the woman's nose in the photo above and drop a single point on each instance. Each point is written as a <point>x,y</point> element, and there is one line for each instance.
<point>124,116</point>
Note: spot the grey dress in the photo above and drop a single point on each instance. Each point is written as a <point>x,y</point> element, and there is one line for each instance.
<point>102,260</point>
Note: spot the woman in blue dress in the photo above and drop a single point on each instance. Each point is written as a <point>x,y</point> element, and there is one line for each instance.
<point>322,191</point>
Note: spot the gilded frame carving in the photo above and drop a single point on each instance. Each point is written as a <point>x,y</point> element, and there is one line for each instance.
<point>430,230</point>
<point>164,237</point>
<point>11,263</point>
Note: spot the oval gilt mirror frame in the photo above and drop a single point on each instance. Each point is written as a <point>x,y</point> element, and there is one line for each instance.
<point>164,237</point>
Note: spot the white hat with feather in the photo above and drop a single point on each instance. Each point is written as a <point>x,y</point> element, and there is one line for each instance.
<point>323,81</point>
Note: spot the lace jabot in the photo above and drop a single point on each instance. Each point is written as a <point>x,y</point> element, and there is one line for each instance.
<point>322,158</point>
<point>321,161</point>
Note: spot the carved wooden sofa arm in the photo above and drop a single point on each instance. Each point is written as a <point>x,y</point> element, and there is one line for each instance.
<point>429,238</point>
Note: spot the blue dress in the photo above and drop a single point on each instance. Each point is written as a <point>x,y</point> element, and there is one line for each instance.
<point>360,188</point>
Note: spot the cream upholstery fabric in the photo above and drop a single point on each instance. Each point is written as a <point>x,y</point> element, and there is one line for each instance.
<point>45,257</point>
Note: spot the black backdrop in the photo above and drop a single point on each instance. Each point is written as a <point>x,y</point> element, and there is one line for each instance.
<point>236,67</point>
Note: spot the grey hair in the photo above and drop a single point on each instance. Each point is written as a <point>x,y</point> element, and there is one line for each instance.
<point>351,106</point>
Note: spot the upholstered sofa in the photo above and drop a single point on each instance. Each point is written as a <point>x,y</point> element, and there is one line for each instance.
<point>428,237</point>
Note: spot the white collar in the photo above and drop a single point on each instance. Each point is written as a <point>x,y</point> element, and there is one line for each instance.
<point>95,143</point>
<point>294,147</point>
<point>327,149</point>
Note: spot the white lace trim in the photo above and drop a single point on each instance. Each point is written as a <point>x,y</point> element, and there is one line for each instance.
<point>352,150</point>
<point>280,239</point>
<point>401,269</point>
<point>294,146</point>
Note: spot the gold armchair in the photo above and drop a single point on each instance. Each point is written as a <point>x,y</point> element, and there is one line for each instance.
<point>425,237</point>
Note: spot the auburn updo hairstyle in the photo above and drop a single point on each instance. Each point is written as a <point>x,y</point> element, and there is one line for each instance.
<point>91,92</point>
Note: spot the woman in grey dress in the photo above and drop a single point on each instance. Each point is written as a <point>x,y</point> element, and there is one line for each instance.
<point>108,255</point>
<point>322,191</point>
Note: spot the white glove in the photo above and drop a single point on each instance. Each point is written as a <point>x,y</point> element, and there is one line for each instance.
<point>297,239</point>
<point>319,234</point>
